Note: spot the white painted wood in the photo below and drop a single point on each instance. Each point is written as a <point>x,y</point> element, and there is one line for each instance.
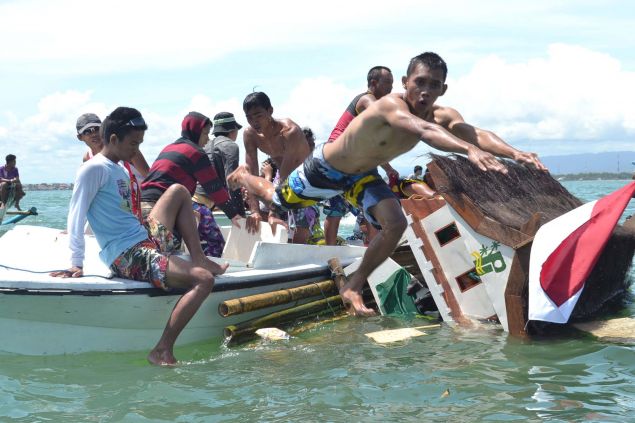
<point>456,260</point>
<point>436,289</point>
<point>494,283</point>
<point>239,244</point>
<point>379,275</point>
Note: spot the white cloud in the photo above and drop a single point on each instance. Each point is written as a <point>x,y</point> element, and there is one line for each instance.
<point>573,99</point>
<point>89,37</point>
<point>317,103</point>
<point>573,93</point>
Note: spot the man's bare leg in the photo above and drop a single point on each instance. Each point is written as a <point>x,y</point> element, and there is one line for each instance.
<point>4,191</point>
<point>174,210</point>
<point>419,189</point>
<point>331,227</point>
<point>389,215</point>
<point>199,281</point>
<point>371,232</point>
<point>19,193</point>
<point>255,185</point>
<point>301,236</point>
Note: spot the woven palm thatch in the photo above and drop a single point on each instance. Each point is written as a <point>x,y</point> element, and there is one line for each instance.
<point>510,199</point>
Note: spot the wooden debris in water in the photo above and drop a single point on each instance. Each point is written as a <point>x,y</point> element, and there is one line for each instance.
<point>272,334</point>
<point>246,330</point>
<point>614,330</point>
<point>396,335</point>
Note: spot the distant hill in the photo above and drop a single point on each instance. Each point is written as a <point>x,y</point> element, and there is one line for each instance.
<point>612,162</point>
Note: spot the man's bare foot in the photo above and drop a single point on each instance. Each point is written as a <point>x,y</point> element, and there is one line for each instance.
<point>354,303</point>
<point>234,179</point>
<point>222,268</point>
<point>161,357</point>
<point>210,265</point>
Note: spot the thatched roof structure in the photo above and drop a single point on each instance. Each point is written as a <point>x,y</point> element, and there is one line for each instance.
<point>510,199</point>
<point>514,198</point>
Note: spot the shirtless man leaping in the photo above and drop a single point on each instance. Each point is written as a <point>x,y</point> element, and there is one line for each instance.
<point>280,139</point>
<point>388,128</point>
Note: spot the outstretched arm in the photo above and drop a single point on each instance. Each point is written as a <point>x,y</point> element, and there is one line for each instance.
<point>487,140</point>
<point>398,116</point>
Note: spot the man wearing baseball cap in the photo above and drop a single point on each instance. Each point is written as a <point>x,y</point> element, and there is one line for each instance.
<point>87,127</point>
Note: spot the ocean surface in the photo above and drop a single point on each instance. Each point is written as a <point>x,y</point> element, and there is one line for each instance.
<point>331,372</point>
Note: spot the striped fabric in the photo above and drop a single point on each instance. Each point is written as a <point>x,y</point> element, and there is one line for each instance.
<point>185,163</point>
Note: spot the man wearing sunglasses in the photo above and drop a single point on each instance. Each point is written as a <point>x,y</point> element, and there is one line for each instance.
<point>134,251</point>
<point>88,131</point>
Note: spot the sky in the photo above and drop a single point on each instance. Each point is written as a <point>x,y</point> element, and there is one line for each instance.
<point>554,77</point>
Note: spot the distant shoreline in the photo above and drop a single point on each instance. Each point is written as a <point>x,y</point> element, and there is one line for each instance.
<point>594,176</point>
<point>589,176</point>
<point>58,186</point>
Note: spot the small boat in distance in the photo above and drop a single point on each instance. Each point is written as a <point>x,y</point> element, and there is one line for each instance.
<point>17,215</point>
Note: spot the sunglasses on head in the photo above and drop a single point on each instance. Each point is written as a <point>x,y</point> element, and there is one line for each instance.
<point>136,122</point>
<point>91,130</point>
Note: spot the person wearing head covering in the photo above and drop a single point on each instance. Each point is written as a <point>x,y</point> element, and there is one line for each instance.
<point>88,131</point>
<point>223,152</point>
<point>185,162</point>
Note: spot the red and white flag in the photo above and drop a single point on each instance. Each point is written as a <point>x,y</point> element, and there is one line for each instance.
<point>564,252</point>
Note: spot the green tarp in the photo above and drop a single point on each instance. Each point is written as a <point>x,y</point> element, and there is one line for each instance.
<point>393,297</point>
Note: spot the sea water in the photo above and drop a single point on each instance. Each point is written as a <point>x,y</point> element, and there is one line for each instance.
<point>331,372</point>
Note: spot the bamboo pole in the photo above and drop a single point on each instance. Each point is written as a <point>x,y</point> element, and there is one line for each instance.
<point>274,298</point>
<point>21,213</point>
<point>246,329</point>
<point>338,272</point>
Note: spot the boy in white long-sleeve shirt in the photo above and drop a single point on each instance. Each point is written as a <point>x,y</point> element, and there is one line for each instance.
<point>134,251</point>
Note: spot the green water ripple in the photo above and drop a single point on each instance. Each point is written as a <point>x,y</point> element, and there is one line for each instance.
<point>332,373</point>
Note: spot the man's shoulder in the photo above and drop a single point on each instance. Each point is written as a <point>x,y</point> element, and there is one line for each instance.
<point>185,146</point>
<point>98,165</point>
<point>221,139</point>
<point>222,145</point>
<point>443,115</point>
<point>386,104</point>
<point>290,128</point>
<point>250,135</point>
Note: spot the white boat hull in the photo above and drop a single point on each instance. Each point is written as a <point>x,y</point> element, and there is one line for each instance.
<point>42,315</point>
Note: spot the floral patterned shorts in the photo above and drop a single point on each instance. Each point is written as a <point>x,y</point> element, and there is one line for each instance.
<point>148,259</point>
